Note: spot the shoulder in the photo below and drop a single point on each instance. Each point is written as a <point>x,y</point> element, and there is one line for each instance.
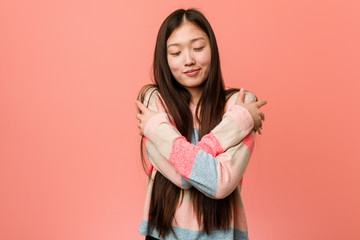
<point>249,97</point>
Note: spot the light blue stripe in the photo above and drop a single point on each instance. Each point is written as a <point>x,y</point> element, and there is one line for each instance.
<point>185,234</point>
<point>195,137</point>
<point>204,174</point>
<point>185,184</point>
<point>147,154</point>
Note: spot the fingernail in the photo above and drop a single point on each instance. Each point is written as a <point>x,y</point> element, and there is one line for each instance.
<point>242,89</point>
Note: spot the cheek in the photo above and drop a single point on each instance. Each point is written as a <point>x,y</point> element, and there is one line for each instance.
<point>205,58</point>
<point>173,65</point>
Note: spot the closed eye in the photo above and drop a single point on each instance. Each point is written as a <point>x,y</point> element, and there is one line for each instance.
<point>177,53</point>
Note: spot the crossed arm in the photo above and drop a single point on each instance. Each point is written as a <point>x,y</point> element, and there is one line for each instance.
<point>215,164</point>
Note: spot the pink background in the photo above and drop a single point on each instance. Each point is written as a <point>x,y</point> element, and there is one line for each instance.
<point>69,145</point>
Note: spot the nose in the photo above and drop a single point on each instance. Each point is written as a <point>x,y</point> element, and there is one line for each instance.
<point>189,59</point>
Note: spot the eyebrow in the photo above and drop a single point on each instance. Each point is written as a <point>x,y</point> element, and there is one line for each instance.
<point>192,40</point>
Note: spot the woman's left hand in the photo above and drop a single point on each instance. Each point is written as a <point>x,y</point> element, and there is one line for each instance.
<point>145,114</point>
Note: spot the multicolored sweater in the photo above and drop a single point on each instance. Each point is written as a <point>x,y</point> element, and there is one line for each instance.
<point>214,165</point>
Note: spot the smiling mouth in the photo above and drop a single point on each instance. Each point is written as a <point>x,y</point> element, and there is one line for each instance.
<point>192,70</point>
<point>192,73</point>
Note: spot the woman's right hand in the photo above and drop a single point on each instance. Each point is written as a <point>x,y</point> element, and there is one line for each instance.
<point>253,109</point>
<point>145,113</point>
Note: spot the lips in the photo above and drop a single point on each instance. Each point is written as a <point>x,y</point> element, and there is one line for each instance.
<point>191,70</point>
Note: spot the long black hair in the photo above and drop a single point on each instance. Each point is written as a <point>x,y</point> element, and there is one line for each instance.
<point>211,213</point>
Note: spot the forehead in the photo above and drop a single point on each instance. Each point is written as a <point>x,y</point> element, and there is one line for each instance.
<point>186,33</point>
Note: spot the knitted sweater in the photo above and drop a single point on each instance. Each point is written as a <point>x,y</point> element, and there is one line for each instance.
<point>214,166</point>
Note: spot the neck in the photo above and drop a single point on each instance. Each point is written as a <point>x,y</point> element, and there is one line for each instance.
<point>195,95</point>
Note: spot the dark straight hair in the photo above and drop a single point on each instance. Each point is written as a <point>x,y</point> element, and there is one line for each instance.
<point>211,214</point>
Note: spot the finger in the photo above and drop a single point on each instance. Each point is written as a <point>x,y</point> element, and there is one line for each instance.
<point>260,125</point>
<point>138,116</point>
<point>141,106</point>
<point>262,116</point>
<point>257,126</point>
<point>241,96</point>
<point>159,105</point>
<point>261,103</point>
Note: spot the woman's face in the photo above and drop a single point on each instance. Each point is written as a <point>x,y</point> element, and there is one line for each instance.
<point>188,49</point>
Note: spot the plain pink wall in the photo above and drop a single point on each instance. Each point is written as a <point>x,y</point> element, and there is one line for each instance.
<point>69,145</point>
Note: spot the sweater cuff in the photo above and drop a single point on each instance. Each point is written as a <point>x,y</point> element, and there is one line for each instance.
<point>242,117</point>
<point>153,123</point>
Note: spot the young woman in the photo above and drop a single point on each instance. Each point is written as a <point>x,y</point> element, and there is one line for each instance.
<point>198,137</point>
